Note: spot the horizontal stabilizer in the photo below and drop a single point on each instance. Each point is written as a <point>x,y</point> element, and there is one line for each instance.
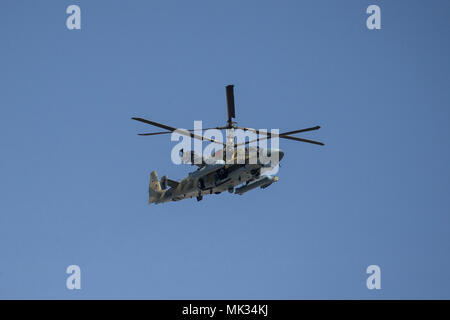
<point>172,183</point>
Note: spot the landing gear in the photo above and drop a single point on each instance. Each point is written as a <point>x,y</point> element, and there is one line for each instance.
<point>201,184</point>
<point>199,197</point>
<point>230,189</point>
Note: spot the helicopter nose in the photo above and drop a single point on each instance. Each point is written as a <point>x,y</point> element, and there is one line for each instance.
<point>277,151</point>
<point>280,154</point>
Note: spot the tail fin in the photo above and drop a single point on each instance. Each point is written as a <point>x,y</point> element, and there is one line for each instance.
<point>154,188</point>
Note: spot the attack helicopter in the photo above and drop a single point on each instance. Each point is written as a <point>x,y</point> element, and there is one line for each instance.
<point>236,168</point>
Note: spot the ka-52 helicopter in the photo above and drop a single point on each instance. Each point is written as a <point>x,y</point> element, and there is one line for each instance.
<point>223,170</point>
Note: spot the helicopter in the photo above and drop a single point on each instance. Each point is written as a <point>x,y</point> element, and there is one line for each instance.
<point>222,171</point>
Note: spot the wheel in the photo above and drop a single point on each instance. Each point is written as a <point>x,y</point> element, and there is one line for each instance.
<point>230,189</point>
<point>199,197</point>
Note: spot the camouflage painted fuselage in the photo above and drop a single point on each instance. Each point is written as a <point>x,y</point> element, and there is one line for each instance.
<point>215,178</point>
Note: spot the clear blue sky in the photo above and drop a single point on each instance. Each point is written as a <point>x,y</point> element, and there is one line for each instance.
<point>74,174</point>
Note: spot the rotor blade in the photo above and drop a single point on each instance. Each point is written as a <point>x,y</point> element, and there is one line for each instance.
<point>230,103</point>
<point>164,132</point>
<point>163,126</point>
<point>153,133</point>
<point>156,124</point>
<point>301,130</point>
<point>280,134</point>
<point>269,136</point>
<point>302,140</point>
<point>180,131</point>
<point>283,135</point>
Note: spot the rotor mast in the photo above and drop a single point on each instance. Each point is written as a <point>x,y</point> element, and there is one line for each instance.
<point>229,146</point>
<point>230,106</point>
